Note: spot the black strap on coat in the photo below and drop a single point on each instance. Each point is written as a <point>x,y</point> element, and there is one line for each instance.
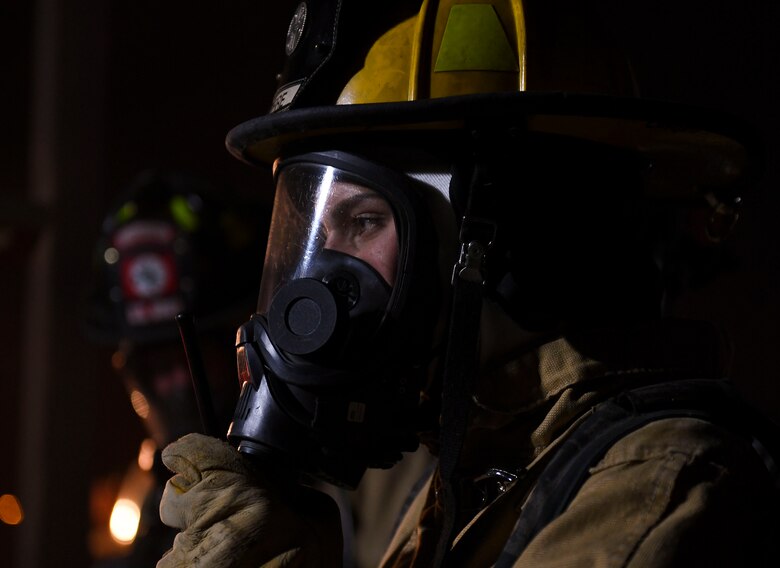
<point>462,358</point>
<point>715,401</point>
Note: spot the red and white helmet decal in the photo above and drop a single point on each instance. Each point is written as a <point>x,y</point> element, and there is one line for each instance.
<point>149,275</point>
<point>148,272</point>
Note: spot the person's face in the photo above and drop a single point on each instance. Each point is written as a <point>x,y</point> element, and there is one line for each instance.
<point>320,208</point>
<point>359,222</point>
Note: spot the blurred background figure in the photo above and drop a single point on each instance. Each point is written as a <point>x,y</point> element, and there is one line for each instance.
<point>171,244</point>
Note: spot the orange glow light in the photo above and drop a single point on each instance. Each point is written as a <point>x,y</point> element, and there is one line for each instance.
<point>140,404</point>
<point>146,454</point>
<point>10,510</point>
<point>124,521</point>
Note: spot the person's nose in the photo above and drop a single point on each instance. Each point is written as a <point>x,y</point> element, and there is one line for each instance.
<point>336,241</point>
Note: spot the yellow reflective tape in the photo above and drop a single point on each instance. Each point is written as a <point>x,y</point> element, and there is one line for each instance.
<point>126,212</point>
<point>475,40</point>
<point>183,214</point>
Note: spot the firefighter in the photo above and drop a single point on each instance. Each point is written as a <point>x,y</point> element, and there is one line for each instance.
<point>476,231</point>
<point>173,244</point>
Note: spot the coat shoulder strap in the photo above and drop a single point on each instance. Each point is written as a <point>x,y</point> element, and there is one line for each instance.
<point>713,400</point>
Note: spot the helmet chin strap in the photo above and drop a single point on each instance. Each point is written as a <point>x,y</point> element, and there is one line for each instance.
<point>462,355</point>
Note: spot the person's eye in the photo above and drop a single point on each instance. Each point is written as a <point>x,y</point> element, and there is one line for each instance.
<point>365,223</point>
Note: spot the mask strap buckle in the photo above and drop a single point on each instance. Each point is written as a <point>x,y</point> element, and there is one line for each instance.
<point>476,237</point>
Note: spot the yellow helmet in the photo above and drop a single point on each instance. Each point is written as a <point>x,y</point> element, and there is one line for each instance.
<point>437,66</point>
<point>460,47</point>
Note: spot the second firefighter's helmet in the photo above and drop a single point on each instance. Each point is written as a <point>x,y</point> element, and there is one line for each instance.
<point>172,243</point>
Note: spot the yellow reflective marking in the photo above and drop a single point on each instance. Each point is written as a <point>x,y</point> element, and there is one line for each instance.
<point>126,212</point>
<point>183,214</point>
<point>474,40</point>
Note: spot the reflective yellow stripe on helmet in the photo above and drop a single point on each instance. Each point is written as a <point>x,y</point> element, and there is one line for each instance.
<point>474,40</point>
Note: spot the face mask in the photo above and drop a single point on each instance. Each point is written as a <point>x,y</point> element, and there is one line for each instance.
<point>332,364</point>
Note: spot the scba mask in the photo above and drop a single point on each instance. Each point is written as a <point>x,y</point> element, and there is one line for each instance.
<point>332,363</point>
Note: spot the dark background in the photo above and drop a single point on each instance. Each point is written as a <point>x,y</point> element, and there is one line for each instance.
<point>91,92</point>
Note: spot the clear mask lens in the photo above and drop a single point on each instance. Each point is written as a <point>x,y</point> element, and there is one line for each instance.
<point>322,208</point>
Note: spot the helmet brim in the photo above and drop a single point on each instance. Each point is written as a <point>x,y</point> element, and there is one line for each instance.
<point>688,149</point>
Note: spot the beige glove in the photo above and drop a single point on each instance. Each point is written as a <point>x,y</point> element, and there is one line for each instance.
<point>230,516</point>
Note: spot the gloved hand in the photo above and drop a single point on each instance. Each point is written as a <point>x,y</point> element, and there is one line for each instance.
<point>231,516</point>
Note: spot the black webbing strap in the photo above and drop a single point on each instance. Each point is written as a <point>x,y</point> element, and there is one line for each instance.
<point>460,370</point>
<point>461,365</point>
<point>712,400</point>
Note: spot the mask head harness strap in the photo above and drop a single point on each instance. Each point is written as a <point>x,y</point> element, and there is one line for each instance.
<point>477,233</point>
